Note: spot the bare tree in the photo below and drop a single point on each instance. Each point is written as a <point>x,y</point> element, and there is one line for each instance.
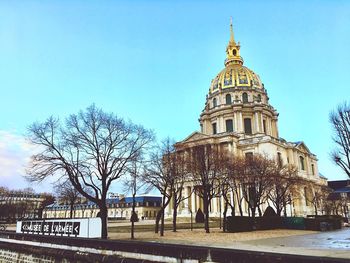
<point>206,167</point>
<point>232,184</point>
<point>92,149</point>
<point>67,193</point>
<point>159,175</point>
<point>180,172</point>
<point>283,181</point>
<point>318,196</point>
<point>257,181</point>
<point>340,120</point>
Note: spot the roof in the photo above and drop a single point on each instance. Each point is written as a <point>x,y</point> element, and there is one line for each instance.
<point>335,185</point>
<point>345,189</point>
<point>128,200</point>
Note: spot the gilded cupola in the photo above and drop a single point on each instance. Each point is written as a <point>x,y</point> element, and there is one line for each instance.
<point>235,75</point>
<point>237,101</point>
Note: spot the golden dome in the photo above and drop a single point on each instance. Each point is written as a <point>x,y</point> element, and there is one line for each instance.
<point>235,75</point>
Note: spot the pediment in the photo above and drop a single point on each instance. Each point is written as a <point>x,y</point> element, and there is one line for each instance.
<point>302,147</point>
<point>195,136</point>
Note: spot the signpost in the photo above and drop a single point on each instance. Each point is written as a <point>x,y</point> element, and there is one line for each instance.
<point>83,227</point>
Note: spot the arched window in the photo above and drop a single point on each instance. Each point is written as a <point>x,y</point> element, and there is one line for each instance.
<point>302,163</point>
<point>234,52</point>
<point>245,97</point>
<point>228,99</point>
<point>215,103</point>
<point>259,98</point>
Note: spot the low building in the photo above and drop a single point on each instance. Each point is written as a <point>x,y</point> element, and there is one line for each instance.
<point>17,205</point>
<point>147,207</point>
<point>339,198</point>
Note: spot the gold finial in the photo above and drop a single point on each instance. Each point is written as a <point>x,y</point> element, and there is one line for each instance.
<point>232,40</point>
<point>232,50</point>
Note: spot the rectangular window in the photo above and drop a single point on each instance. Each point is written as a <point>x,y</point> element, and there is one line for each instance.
<point>264,126</point>
<point>229,126</point>
<point>247,126</point>
<point>214,128</point>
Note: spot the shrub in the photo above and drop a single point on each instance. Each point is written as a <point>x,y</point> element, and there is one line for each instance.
<point>293,223</point>
<point>323,223</point>
<point>268,222</point>
<point>239,223</point>
<point>269,211</point>
<point>199,216</point>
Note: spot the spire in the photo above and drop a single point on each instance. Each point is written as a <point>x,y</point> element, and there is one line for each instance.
<point>232,50</point>
<point>232,39</point>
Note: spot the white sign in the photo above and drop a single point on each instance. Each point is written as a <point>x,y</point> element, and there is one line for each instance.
<point>83,227</point>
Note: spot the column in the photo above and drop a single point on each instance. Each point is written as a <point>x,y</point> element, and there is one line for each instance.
<point>193,203</point>
<point>257,128</point>
<point>235,121</point>
<point>240,122</point>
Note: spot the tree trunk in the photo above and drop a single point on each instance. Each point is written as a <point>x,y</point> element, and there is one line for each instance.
<point>158,217</point>
<point>133,216</point>
<point>259,210</point>
<point>71,209</point>
<point>315,206</point>
<point>224,217</point>
<point>103,216</point>
<point>174,216</point>
<point>240,208</point>
<point>206,211</point>
<point>253,209</point>
<point>162,223</point>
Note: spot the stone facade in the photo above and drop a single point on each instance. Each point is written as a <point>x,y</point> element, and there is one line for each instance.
<point>238,116</point>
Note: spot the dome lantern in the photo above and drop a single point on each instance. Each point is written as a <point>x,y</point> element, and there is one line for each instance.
<point>232,50</point>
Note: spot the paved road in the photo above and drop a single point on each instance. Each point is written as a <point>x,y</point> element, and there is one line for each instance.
<point>338,239</point>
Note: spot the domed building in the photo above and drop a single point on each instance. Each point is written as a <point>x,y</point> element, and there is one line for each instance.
<point>238,115</point>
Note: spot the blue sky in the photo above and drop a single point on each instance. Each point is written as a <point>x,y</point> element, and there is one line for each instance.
<point>152,62</point>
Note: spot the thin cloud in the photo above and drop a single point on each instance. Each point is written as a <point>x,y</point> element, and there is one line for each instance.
<point>15,153</point>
